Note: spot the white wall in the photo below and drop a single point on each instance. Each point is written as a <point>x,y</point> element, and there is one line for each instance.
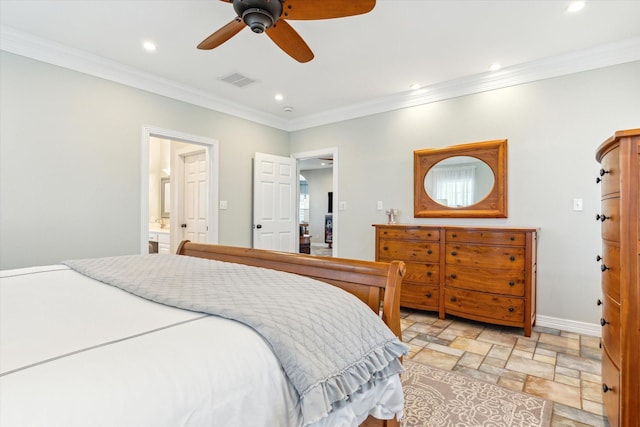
<point>553,127</point>
<point>70,162</point>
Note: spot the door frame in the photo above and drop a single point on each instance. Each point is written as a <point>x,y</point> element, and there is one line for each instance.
<point>212,148</point>
<point>332,151</point>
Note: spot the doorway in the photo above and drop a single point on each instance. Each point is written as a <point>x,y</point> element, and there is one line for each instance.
<point>317,196</point>
<point>179,186</point>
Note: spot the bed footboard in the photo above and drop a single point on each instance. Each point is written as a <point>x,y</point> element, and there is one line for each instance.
<point>377,284</point>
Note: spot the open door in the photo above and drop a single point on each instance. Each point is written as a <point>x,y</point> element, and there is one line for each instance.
<point>275,222</point>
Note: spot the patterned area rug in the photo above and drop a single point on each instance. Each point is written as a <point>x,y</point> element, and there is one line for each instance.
<point>437,398</point>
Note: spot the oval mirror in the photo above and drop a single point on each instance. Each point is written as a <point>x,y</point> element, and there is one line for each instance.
<point>476,180</point>
<point>459,181</point>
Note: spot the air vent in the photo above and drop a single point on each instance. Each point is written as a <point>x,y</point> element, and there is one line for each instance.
<point>237,79</point>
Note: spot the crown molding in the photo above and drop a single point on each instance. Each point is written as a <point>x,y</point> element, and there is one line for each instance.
<point>23,44</point>
<point>555,66</point>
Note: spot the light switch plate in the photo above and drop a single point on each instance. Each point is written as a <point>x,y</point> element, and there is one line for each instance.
<point>577,204</point>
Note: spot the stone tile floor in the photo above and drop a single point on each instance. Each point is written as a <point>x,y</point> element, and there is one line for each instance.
<point>560,366</point>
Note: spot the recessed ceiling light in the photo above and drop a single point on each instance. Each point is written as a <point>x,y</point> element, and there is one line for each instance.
<point>288,109</point>
<point>415,86</point>
<point>279,97</point>
<point>575,6</point>
<point>149,46</point>
<point>495,67</point>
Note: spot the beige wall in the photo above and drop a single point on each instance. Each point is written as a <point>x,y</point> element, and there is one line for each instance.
<point>553,127</point>
<point>70,166</point>
<point>70,162</point>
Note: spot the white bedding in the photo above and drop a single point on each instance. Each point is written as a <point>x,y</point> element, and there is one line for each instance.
<point>76,352</point>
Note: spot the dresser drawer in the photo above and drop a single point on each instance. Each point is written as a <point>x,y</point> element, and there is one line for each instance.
<point>611,397</point>
<point>610,210</point>
<point>484,305</point>
<point>410,233</point>
<point>422,273</point>
<point>610,322</point>
<point>487,237</point>
<point>611,275</point>
<point>609,173</point>
<point>424,297</point>
<point>498,257</point>
<point>507,282</point>
<point>411,251</point>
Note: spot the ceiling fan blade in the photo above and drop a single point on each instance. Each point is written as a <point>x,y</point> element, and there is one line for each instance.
<point>222,35</point>
<point>290,41</point>
<point>325,9</point>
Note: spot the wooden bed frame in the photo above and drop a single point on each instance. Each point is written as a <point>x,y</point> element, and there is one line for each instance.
<point>377,284</point>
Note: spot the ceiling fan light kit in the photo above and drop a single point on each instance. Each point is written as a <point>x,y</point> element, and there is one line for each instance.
<point>269,16</point>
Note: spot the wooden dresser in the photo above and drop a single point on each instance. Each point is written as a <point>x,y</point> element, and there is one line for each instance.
<point>481,273</point>
<point>619,179</point>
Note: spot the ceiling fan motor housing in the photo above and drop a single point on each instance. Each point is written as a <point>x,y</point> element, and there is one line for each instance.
<point>259,15</point>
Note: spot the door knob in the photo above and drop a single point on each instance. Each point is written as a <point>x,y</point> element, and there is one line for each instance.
<point>183,225</point>
<point>259,226</point>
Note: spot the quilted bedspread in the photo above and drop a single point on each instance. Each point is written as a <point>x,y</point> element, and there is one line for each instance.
<point>329,343</point>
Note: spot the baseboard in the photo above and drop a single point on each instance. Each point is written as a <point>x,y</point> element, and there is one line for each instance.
<point>584,328</point>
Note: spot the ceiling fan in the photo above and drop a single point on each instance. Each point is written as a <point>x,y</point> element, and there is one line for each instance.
<point>269,16</point>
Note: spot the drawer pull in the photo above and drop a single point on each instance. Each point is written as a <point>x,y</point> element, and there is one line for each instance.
<point>512,283</point>
<point>428,295</point>
<point>511,309</point>
<point>454,235</point>
<point>512,258</point>
<point>453,276</point>
<point>600,344</point>
<point>385,248</point>
<point>598,258</point>
<point>429,273</point>
<point>512,238</point>
<point>454,253</point>
<point>599,302</point>
<point>602,172</point>
<point>453,299</point>
<point>603,322</point>
<point>602,217</point>
<point>606,388</point>
<point>429,251</point>
<point>604,268</point>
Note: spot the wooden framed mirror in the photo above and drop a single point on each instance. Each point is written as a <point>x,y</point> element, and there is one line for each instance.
<point>461,181</point>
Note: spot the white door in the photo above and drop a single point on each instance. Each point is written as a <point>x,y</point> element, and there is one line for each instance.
<point>275,193</point>
<point>195,201</point>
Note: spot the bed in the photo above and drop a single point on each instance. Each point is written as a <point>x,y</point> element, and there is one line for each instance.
<point>76,350</point>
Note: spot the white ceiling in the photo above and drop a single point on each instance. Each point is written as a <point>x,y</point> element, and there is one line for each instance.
<point>363,64</point>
